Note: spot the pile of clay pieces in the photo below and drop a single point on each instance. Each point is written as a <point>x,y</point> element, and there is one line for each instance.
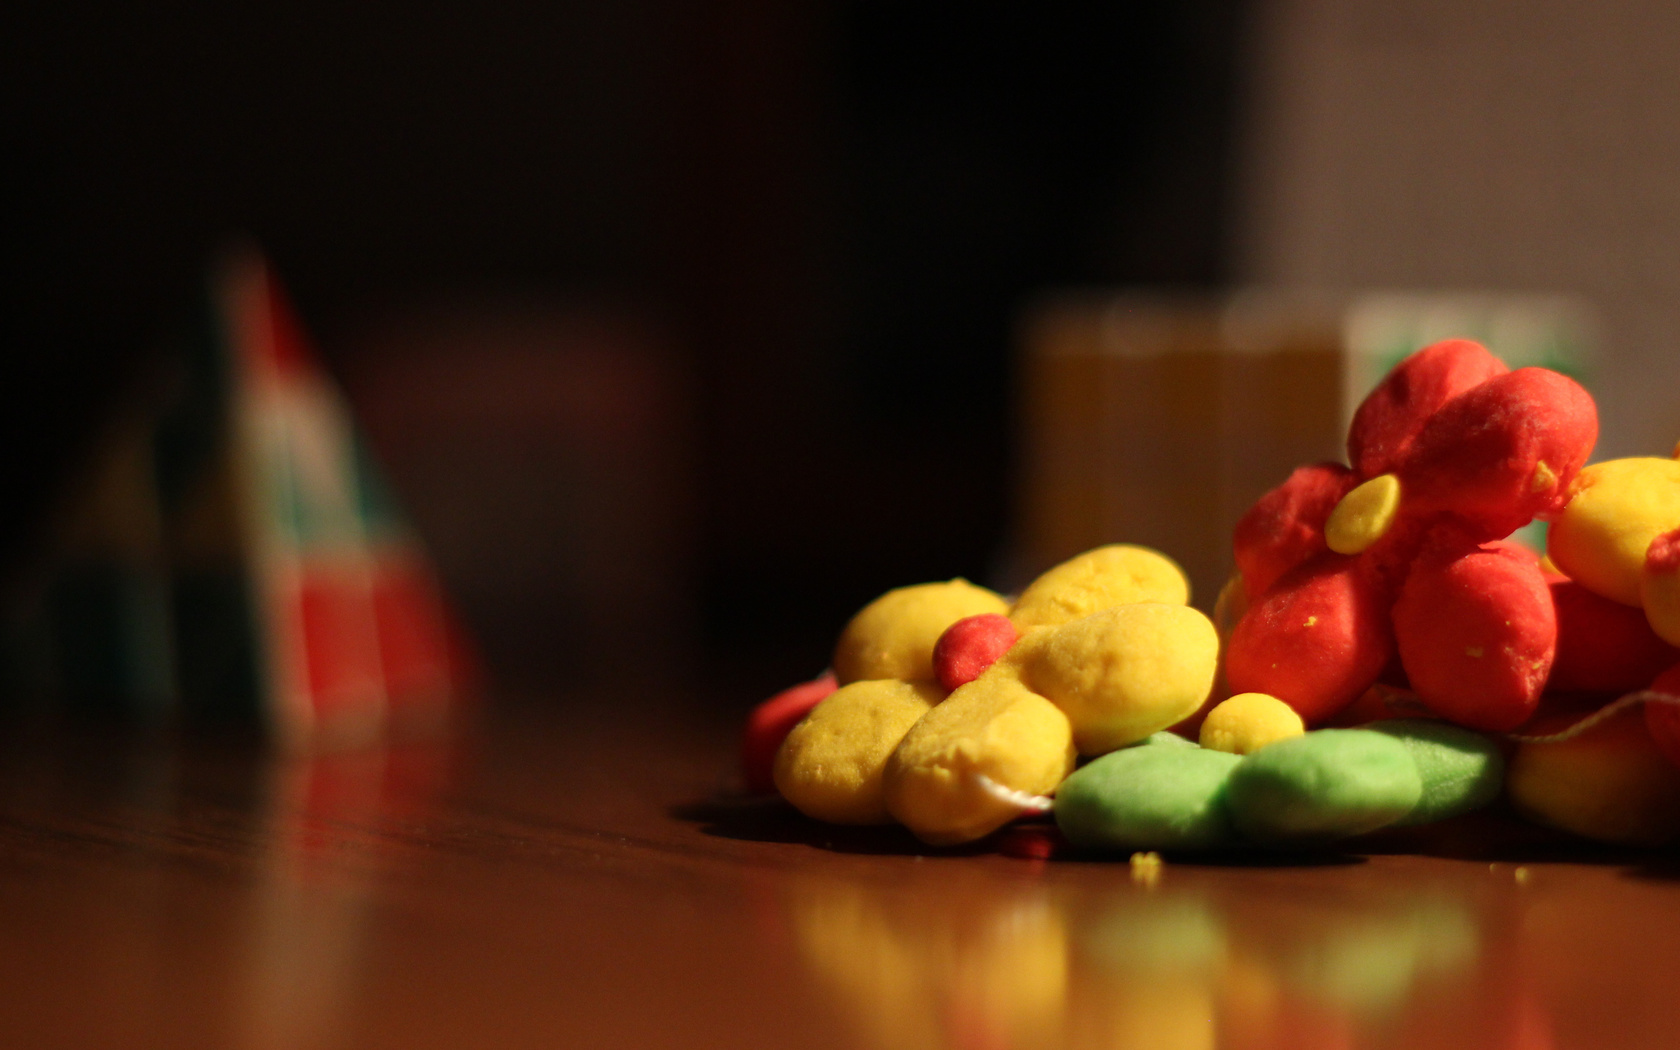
<point>1363,591</point>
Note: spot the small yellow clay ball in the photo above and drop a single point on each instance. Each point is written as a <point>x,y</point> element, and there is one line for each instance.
<point>1118,574</point>
<point>1610,784</point>
<point>1363,515</point>
<point>830,766</point>
<point>1125,672</point>
<point>1617,509</point>
<point>993,728</point>
<point>1248,722</point>
<point>893,636</point>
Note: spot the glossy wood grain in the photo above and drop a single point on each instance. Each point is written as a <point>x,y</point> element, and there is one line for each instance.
<point>589,881</point>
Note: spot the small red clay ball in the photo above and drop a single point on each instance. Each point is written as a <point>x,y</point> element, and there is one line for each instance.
<point>1477,633</point>
<point>1662,719</point>
<point>1603,645</point>
<point>1316,640</point>
<point>1502,452</point>
<point>1285,527</point>
<point>1390,417</point>
<point>771,722</point>
<point>969,646</point>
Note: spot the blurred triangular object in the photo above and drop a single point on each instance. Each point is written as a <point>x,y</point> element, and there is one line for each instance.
<point>299,595</point>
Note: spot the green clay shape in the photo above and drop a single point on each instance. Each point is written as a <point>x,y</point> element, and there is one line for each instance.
<point>1323,785</point>
<point>1153,795</point>
<point>1461,769</point>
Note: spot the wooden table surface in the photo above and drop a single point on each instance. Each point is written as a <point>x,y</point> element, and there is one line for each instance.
<point>586,881</point>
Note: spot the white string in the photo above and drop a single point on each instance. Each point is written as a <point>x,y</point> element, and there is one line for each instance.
<point>1025,801</point>
<point>1401,701</point>
<point>1603,714</point>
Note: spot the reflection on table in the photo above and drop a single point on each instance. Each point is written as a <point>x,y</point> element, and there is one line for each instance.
<point>586,882</point>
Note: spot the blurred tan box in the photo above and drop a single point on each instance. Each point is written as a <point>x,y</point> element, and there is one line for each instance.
<point>1158,419</point>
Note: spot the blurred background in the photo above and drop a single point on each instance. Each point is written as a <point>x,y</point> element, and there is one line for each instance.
<point>685,327</point>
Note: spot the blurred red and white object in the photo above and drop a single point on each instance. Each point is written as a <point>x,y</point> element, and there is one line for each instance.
<point>232,553</point>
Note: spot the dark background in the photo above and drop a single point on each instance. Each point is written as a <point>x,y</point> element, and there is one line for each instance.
<point>817,222</point>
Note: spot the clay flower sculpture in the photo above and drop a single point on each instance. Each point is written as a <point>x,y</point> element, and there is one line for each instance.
<point>953,711</point>
<point>1344,570</point>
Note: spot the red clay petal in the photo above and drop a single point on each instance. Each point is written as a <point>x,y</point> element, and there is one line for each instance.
<point>1391,416</point>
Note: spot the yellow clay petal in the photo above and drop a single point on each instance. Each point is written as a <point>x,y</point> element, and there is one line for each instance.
<point>830,766</point>
<point>1118,574</point>
<point>1231,605</point>
<point>1617,509</point>
<point>993,728</point>
<point>1363,515</point>
<point>893,636</point>
<point>1610,784</point>
<point>1125,672</point>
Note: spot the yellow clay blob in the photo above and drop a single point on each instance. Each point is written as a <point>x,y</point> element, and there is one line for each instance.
<point>830,766</point>
<point>1610,784</point>
<point>1228,609</point>
<point>1125,672</point>
<point>1231,605</point>
<point>1363,515</point>
<point>1118,574</point>
<point>993,727</point>
<point>893,636</point>
<point>1618,507</point>
<point>1659,592</point>
<point>1248,722</point>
